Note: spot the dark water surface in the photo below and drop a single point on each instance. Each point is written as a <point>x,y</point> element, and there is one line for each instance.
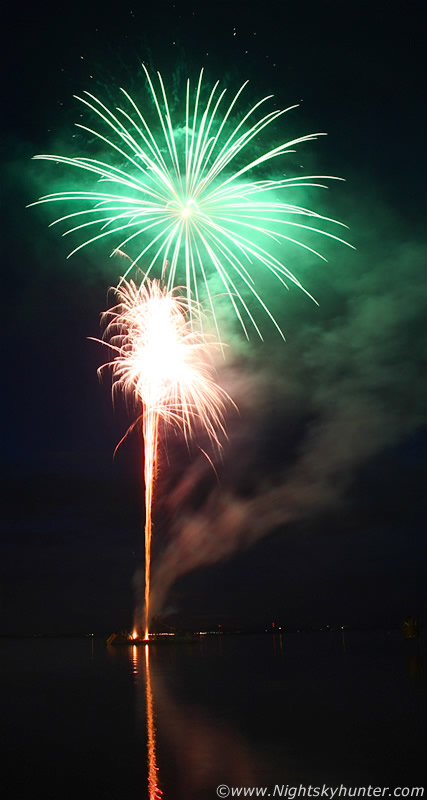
<point>238,710</point>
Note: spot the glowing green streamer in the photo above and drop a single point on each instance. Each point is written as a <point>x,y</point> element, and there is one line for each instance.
<point>182,198</point>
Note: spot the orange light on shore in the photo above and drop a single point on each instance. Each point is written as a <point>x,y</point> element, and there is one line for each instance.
<point>161,360</point>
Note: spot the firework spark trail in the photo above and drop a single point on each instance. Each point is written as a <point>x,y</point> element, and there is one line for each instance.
<point>150,434</point>
<point>161,360</point>
<point>188,193</point>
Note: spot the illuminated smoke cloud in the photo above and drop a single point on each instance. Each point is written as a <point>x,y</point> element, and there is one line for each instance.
<point>358,383</point>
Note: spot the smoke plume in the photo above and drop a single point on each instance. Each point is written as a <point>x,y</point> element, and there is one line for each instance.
<point>346,386</point>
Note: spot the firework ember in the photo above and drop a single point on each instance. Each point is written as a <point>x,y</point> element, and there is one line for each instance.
<point>161,359</point>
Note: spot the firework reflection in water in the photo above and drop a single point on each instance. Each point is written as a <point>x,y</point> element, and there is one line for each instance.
<point>162,360</point>
<point>187,740</point>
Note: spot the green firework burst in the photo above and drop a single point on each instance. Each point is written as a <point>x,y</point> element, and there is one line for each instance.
<point>188,196</point>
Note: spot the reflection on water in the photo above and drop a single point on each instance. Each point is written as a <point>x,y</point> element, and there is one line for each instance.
<point>237,710</point>
<point>197,747</point>
<point>277,710</point>
<point>145,713</point>
<point>153,789</point>
<point>277,644</point>
<point>415,664</point>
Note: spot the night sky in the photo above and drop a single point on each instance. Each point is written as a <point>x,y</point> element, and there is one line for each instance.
<point>317,515</point>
